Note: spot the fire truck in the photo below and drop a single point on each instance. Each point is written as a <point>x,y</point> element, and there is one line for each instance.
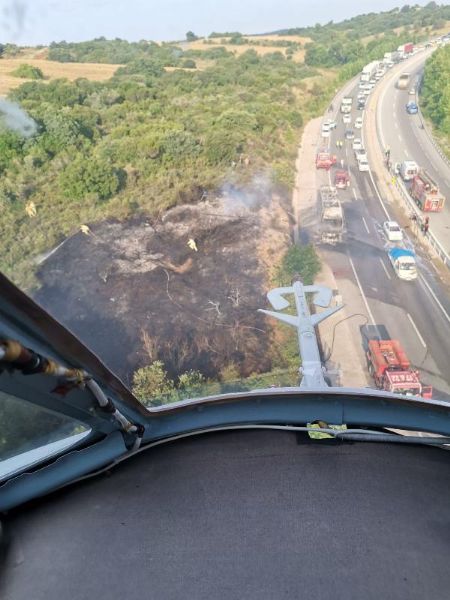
<point>342,180</point>
<point>391,370</point>
<point>325,160</point>
<point>425,192</point>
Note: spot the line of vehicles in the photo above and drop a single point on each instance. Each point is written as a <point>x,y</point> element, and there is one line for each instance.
<point>387,362</point>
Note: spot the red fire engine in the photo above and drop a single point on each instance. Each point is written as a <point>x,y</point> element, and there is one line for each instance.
<point>325,160</point>
<point>426,193</point>
<point>391,370</point>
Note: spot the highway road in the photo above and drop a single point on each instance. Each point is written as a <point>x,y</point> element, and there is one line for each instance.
<point>416,313</point>
<point>407,141</point>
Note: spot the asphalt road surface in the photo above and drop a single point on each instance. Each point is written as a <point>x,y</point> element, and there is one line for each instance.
<point>407,141</point>
<point>417,313</point>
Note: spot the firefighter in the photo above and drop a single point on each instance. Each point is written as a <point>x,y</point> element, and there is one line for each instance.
<point>192,244</point>
<point>30,209</point>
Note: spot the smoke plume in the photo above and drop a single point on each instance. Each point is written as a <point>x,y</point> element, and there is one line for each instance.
<point>13,117</point>
<point>251,197</point>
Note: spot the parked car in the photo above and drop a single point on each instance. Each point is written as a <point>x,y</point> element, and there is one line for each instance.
<point>393,231</point>
<point>331,124</point>
<point>358,122</point>
<point>357,144</point>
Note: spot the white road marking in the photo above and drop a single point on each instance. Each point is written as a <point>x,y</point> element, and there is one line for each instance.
<point>422,341</point>
<point>396,125</point>
<point>354,193</point>
<point>369,312</point>
<point>384,268</point>
<point>400,138</point>
<point>379,196</point>
<point>436,299</point>
<point>365,225</point>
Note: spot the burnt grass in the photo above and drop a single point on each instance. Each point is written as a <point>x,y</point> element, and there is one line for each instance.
<point>135,292</point>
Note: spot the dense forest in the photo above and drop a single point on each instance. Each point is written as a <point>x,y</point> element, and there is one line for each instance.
<point>435,94</point>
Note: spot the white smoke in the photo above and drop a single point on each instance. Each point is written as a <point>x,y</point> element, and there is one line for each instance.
<point>13,117</point>
<point>255,195</point>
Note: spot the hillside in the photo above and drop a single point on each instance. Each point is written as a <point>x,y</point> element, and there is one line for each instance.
<point>435,96</point>
<point>127,134</point>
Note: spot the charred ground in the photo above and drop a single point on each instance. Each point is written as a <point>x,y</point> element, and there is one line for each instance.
<point>134,291</point>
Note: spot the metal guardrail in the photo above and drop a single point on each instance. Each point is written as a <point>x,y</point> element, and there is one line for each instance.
<point>430,237</point>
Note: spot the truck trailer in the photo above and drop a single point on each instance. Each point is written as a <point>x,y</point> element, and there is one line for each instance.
<point>406,49</point>
<point>425,192</point>
<point>369,71</point>
<point>392,371</point>
<point>403,81</point>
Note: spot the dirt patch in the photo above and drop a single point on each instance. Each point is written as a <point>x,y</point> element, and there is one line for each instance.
<point>135,292</point>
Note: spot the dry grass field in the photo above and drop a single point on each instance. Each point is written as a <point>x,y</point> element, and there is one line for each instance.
<point>51,70</point>
<point>241,48</point>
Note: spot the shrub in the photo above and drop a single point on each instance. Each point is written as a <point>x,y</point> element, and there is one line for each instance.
<point>28,72</point>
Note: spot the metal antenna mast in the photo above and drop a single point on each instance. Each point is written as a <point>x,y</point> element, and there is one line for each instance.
<point>311,371</point>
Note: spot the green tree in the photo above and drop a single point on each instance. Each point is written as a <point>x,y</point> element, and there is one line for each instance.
<point>11,148</point>
<point>89,176</point>
<point>152,385</point>
<point>28,72</point>
<point>60,131</point>
<point>299,261</point>
<point>191,37</point>
<point>189,64</point>
<point>191,383</point>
